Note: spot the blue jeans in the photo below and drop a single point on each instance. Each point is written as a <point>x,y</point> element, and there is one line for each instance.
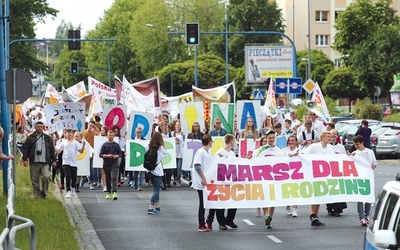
<point>156,190</point>
<point>138,178</point>
<point>178,170</point>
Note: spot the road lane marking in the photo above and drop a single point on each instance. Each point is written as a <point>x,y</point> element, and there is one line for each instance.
<point>248,222</point>
<point>274,239</point>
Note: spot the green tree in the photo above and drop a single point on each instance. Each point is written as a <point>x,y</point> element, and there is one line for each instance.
<point>252,15</point>
<point>116,23</point>
<point>23,16</point>
<point>368,34</point>
<point>321,65</point>
<point>341,83</point>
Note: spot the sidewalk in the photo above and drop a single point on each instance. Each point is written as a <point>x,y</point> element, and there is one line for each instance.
<point>85,234</point>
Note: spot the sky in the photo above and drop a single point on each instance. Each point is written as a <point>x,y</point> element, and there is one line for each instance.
<point>84,12</point>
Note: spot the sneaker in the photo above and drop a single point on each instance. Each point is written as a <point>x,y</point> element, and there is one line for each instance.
<point>202,228</point>
<point>289,210</point>
<point>104,189</point>
<point>151,211</point>
<point>221,227</point>
<point>294,213</point>
<point>231,224</point>
<point>91,187</point>
<point>174,183</point>
<point>108,196</point>
<point>68,195</point>
<point>147,184</point>
<point>158,209</point>
<point>268,220</point>
<point>363,223</point>
<point>315,222</point>
<point>140,189</point>
<point>72,192</point>
<point>119,183</point>
<point>62,186</point>
<point>209,225</point>
<point>115,196</point>
<point>366,221</point>
<point>258,212</point>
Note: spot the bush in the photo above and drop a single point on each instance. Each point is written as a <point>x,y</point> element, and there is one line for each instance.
<point>392,118</point>
<point>368,110</point>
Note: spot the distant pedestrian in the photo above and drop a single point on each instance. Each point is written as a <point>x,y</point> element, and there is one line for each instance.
<point>39,149</point>
<point>110,152</point>
<point>365,132</point>
<point>2,155</point>
<point>157,174</point>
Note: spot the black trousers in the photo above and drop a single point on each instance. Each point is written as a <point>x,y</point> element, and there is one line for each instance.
<point>70,176</point>
<point>202,211</point>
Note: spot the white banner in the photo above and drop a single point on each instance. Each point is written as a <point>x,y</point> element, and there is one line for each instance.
<point>283,181</point>
<point>190,113</point>
<point>246,109</point>
<point>83,161</point>
<point>101,88</point>
<point>137,148</point>
<point>67,115</point>
<point>116,115</point>
<point>143,120</point>
<point>98,142</point>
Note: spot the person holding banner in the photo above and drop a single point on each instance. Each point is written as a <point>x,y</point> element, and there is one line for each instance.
<point>363,209</point>
<point>69,146</point>
<point>179,140</point>
<point>199,179</point>
<point>291,150</point>
<point>163,130</point>
<point>196,134</point>
<point>269,150</point>
<point>110,151</point>
<point>226,152</point>
<point>121,161</point>
<point>89,134</point>
<point>323,147</point>
<point>250,131</point>
<point>136,177</point>
<point>218,130</point>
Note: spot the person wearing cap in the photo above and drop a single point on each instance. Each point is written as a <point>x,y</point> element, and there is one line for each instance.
<point>39,149</point>
<point>269,150</point>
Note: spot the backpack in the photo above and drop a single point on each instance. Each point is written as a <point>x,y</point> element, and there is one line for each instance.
<point>150,159</point>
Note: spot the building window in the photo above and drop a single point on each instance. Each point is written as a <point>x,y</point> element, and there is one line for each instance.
<point>338,63</point>
<point>337,13</point>
<point>322,40</point>
<point>321,16</point>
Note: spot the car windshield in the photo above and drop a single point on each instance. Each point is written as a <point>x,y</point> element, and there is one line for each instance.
<point>380,130</point>
<point>352,130</point>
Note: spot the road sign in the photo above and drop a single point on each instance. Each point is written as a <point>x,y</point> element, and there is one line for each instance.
<point>23,88</point>
<point>288,85</point>
<point>309,86</point>
<point>259,94</point>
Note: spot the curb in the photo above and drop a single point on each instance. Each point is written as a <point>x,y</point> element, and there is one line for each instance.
<point>84,231</point>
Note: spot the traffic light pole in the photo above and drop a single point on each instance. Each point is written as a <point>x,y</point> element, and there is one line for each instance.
<point>196,68</point>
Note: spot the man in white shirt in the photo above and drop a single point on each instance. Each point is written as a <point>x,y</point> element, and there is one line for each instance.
<point>293,118</point>
<point>363,209</point>
<point>322,147</point>
<point>308,136</point>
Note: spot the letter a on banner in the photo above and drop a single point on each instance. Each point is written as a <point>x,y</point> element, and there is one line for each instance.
<point>246,109</point>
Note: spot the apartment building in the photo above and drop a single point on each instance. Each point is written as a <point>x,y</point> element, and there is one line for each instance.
<point>323,14</point>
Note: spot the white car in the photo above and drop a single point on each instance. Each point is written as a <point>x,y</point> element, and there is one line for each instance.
<point>384,230</point>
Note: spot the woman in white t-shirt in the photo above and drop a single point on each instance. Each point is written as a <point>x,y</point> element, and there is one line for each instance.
<point>70,148</point>
<point>291,150</point>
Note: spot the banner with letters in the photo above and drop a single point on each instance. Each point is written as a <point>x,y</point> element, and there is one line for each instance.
<point>143,120</point>
<point>98,142</point>
<point>67,115</point>
<point>224,111</point>
<point>115,115</point>
<point>282,181</point>
<point>135,150</point>
<point>246,109</point>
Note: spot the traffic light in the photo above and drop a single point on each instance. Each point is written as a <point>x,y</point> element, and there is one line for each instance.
<point>74,68</point>
<point>192,34</point>
<point>74,34</point>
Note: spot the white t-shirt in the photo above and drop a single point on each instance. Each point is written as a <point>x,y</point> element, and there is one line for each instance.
<point>275,151</point>
<point>223,152</point>
<point>317,148</point>
<point>339,149</point>
<point>370,153</point>
<point>287,151</point>
<point>70,152</point>
<point>161,154</point>
<point>199,158</point>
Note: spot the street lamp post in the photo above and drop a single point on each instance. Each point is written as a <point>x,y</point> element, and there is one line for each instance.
<point>226,42</point>
<point>195,13</point>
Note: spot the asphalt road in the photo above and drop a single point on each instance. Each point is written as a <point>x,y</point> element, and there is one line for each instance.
<point>125,224</point>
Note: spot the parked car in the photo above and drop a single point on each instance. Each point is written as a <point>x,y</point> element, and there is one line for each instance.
<point>383,231</point>
<point>337,119</point>
<point>339,125</point>
<point>380,129</point>
<point>347,133</point>
<point>389,143</point>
